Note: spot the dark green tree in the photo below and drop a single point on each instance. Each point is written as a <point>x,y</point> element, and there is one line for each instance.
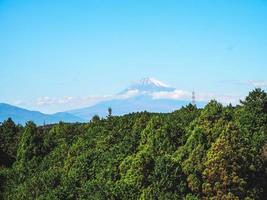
<point>109,112</point>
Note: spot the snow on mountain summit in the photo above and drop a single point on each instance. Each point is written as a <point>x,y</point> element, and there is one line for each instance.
<point>148,85</point>
<point>152,81</point>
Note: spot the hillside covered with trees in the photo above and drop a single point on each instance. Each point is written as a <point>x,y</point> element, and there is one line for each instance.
<point>218,152</point>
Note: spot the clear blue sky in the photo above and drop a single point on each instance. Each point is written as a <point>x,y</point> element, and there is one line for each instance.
<point>81,48</point>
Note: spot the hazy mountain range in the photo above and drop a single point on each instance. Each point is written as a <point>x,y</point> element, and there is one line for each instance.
<point>140,96</point>
<point>145,95</point>
<point>21,116</point>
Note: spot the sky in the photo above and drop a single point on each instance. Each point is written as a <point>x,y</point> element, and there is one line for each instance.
<point>57,55</point>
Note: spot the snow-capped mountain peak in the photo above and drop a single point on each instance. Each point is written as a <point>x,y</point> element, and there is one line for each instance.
<point>148,85</point>
<point>152,81</point>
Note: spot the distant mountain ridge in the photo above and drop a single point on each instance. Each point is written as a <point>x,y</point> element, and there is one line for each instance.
<point>129,105</point>
<point>140,96</point>
<point>137,97</point>
<point>21,116</point>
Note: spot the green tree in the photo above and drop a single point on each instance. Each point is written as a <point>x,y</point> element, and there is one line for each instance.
<point>9,136</point>
<point>109,112</point>
<point>95,119</point>
<point>228,165</point>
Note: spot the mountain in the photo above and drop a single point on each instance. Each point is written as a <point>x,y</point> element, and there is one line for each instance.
<point>142,95</point>
<point>148,85</point>
<point>129,105</point>
<point>137,97</point>
<point>21,116</point>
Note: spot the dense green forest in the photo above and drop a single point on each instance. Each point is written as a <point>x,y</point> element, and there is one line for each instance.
<point>218,152</point>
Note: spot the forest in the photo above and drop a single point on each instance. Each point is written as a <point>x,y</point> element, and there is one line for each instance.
<point>214,153</point>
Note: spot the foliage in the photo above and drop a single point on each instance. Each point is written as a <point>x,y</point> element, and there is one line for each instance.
<point>218,152</point>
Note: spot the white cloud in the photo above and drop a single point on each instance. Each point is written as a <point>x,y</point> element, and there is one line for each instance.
<point>176,94</point>
<point>69,101</point>
<point>52,104</point>
<point>258,83</point>
<point>128,94</point>
<point>253,83</point>
<point>44,101</point>
<point>222,98</point>
<point>19,103</point>
<point>202,97</point>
